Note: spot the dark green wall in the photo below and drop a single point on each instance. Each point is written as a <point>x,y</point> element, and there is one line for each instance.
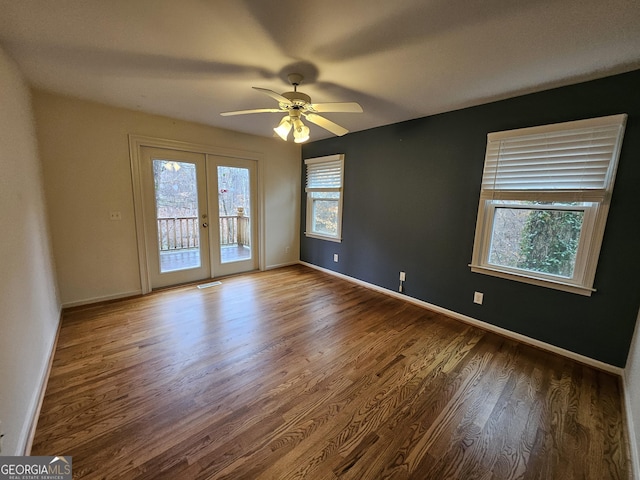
<point>410,203</point>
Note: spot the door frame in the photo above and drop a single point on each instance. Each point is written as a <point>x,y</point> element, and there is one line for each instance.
<point>136,142</point>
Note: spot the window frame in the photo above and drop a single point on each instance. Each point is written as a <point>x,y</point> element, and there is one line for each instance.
<point>337,159</point>
<point>594,202</point>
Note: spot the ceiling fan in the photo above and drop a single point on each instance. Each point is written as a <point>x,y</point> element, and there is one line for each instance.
<point>296,105</point>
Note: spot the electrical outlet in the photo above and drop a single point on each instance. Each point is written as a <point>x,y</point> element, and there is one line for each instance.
<point>478,297</point>
<point>403,277</point>
<point>115,215</point>
<point>335,257</point>
<point>287,250</point>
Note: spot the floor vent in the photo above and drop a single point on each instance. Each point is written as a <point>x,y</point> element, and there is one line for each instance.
<point>210,284</point>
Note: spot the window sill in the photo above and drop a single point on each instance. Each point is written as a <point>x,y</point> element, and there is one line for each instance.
<point>555,284</point>
<point>323,237</point>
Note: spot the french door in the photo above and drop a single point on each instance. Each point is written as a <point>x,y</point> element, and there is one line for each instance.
<point>232,201</point>
<point>198,215</point>
<point>175,216</point>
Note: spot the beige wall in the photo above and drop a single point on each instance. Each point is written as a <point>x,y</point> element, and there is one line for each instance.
<point>29,307</point>
<point>85,154</point>
<point>632,391</point>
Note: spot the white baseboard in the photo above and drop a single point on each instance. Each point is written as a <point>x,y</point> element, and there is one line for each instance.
<point>89,301</point>
<point>480,324</point>
<point>27,435</point>
<point>633,442</point>
<point>280,265</point>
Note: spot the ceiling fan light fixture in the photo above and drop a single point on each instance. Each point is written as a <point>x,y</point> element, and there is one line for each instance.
<point>284,128</point>
<point>301,133</point>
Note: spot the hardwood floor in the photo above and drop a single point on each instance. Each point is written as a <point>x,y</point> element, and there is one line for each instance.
<point>292,374</point>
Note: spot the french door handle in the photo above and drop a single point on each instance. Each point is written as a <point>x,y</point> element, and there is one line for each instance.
<point>205,225</point>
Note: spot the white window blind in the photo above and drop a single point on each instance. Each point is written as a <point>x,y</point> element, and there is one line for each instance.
<point>573,156</point>
<point>324,175</point>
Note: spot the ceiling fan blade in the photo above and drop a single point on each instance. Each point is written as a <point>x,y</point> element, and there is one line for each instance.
<point>274,95</point>
<point>326,124</point>
<point>255,110</point>
<point>344,107</point>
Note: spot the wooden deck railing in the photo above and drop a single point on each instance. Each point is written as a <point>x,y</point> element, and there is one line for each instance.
<point>180,233</point>
<point>234,230</point>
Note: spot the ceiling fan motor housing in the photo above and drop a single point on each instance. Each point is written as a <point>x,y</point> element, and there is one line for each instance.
<point>298,99</point>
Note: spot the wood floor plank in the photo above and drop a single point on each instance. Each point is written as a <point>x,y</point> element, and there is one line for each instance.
<point>294,374</point>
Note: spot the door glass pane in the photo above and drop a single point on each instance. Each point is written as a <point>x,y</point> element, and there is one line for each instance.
<point>234,206</point>
<point>176,194</point>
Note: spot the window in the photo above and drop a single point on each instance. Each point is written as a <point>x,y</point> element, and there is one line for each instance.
<point>544,202</point>
<point>324,197</point>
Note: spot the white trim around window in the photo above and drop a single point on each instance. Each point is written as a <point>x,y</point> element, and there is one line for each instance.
<point>563,171</point>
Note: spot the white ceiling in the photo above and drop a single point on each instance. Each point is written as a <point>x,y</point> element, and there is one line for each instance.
<point>401,59</point>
